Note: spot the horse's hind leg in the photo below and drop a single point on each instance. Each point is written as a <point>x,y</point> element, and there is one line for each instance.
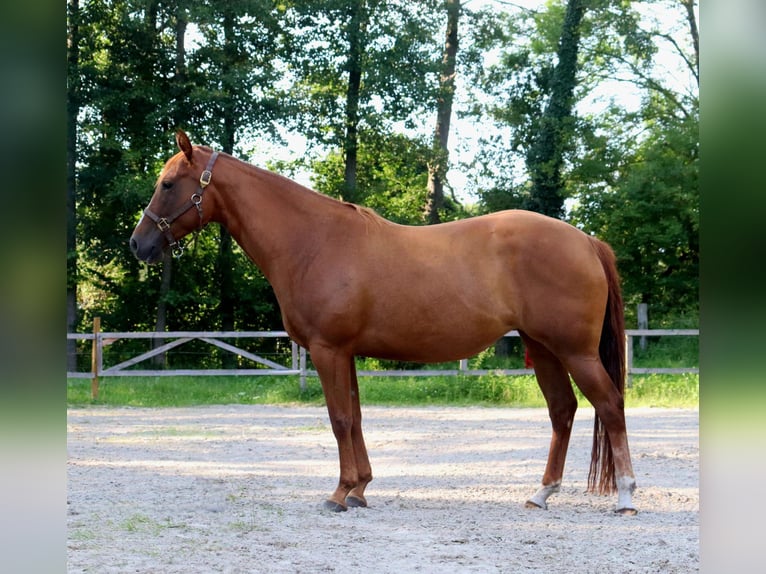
<point>591,377</point>
<point>562,404</point>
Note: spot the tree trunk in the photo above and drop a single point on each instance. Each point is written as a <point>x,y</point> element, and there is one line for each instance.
<point>692,20</point>
<point>179,80</point>
<point>73,108</point>
<point>225,261</point>
<point>545,158</point>
<point>357,25</point>
<point>437,169</point>
<point>160,361</point>
<point>225,268</point>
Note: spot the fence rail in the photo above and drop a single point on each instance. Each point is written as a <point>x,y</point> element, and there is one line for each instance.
<point>298,362</point>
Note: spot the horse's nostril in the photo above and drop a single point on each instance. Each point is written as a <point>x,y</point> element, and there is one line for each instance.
<point>133,245</point>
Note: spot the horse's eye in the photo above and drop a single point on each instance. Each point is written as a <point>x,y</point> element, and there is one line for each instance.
<point>166,185</point>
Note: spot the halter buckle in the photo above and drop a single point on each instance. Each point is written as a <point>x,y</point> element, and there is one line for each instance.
<point>204,179</point>
<point>163,224</point>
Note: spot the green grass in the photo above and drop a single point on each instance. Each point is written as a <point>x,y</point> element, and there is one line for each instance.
<point>497,390</point>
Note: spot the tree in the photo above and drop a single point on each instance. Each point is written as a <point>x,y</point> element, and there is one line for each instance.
<point>138,87</point>
<point>243,41</point>
<point>357,78</point>
<point>244,47</point>
<point>356,32</point>
<point>437,168</point>
<point>636,185</point>
<point>122,78</point>
<point>179,113</point>
<point>650,215</point>
<point>392,175</point>
<point>507,93</point>
<point>360,65</point>
<point>235,73</point>
<point>73,109</point>
<point>545,158</point>
<point>609,161</point>
<point>532,90</point>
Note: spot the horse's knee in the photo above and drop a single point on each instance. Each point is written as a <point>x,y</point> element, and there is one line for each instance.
<point>341,425</point>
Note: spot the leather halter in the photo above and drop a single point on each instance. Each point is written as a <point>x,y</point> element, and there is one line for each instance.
<point>163,223</point>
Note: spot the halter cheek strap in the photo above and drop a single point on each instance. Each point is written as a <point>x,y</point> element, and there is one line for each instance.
<point>163,223</point>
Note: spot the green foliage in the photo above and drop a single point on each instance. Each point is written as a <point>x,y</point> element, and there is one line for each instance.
<point>398,64</point>
<point>630,175</point>
<point>190,391</point>
<point>650,214</point>
<point>232,78</point>
<point>667,352</point>
<point>452,390</point>
<point>138,83</point>
<point>391,177</point>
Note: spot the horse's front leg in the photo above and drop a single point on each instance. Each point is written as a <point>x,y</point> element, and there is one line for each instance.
<point>364,470</point>
<point>336,374</point>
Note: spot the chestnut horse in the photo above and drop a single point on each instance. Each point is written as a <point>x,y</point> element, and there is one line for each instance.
<point>351,283</point>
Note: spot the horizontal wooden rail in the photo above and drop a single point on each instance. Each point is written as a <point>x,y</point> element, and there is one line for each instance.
<point>100,339</point>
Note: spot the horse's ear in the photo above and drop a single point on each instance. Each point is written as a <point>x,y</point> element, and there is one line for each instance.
<point>184,144</point>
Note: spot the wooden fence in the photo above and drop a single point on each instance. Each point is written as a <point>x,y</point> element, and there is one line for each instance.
<point>298,364</point>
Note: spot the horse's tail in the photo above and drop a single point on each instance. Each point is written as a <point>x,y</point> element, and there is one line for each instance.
<point>611,350</point>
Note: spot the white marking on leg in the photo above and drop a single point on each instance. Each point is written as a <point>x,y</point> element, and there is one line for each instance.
<point>625,487</point>
<point>541,496</point>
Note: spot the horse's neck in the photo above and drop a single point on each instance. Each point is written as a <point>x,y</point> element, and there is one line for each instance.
<point>276,221</point>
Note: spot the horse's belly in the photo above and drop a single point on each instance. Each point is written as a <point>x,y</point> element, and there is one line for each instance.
<point>429,345</point>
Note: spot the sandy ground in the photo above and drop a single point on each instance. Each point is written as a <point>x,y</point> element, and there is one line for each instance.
<point>237,489</point>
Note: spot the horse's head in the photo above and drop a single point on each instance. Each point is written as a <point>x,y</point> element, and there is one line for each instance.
<point>175,209</point>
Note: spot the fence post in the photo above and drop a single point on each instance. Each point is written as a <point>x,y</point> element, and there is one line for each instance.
<point>95,357</point>
<point>303,368</point>
<point>628,360</point>
<point>642,315</point>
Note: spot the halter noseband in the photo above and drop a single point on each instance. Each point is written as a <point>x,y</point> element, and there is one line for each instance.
<point>163,223</point>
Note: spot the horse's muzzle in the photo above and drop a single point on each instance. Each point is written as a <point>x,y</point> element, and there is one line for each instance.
<point>147,250</point>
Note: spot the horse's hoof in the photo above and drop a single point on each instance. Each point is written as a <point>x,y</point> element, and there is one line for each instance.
<point>626,511</point>
<point>535,506</point>
<point>333,506</point>
<point>356,502</point>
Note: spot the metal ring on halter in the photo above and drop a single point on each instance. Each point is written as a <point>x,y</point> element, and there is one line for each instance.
<point>177,250</point>
<point>196,199</point>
